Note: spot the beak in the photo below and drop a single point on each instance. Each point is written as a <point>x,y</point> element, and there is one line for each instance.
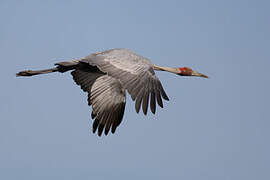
<point>194,73</point>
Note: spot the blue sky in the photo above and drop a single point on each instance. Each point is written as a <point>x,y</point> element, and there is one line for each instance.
<point>210,129</point>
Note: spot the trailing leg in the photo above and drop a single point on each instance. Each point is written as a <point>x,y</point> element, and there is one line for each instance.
<point>60,67</point>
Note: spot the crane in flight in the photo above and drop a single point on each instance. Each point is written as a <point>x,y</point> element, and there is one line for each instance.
<point>106,76</point>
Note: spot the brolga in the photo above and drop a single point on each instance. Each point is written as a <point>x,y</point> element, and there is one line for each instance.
<point>106,76</point>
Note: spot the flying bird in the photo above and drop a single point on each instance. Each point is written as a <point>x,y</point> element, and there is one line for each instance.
<point>106,76</point>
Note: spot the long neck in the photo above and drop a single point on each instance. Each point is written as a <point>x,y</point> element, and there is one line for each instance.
<point>168,69</point>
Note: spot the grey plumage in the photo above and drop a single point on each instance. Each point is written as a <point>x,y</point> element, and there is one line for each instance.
<point>105,76</point>
<point>135,73</point>
<point>108,102</point>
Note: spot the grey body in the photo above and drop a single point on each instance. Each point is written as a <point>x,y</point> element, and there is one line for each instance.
<point>106,76</point>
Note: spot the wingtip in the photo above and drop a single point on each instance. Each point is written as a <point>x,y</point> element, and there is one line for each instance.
<point>100,129</point>
<point>145,112</point>
<point>113,130</point>
<point>166,97</point>
<point>137,109</point>
<point>106,131</point>
<point>93,115</point>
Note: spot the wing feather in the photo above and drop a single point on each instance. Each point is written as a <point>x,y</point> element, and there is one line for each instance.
<point>108,103</point>
<point>145,102</point>
<point>139,100</point>
<point>153,102</point>
<point>105,94</point>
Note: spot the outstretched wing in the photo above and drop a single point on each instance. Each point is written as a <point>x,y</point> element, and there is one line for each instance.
<point>108,103</point>
<point>106,96</point>
<point>135,74</point>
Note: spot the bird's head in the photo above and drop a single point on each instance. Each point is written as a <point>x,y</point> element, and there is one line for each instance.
<point>186,71</point>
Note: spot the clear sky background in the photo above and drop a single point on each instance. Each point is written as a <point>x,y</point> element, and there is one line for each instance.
<point>211,129</point>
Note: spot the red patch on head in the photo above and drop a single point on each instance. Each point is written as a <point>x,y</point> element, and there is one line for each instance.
<point>185,71</point>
